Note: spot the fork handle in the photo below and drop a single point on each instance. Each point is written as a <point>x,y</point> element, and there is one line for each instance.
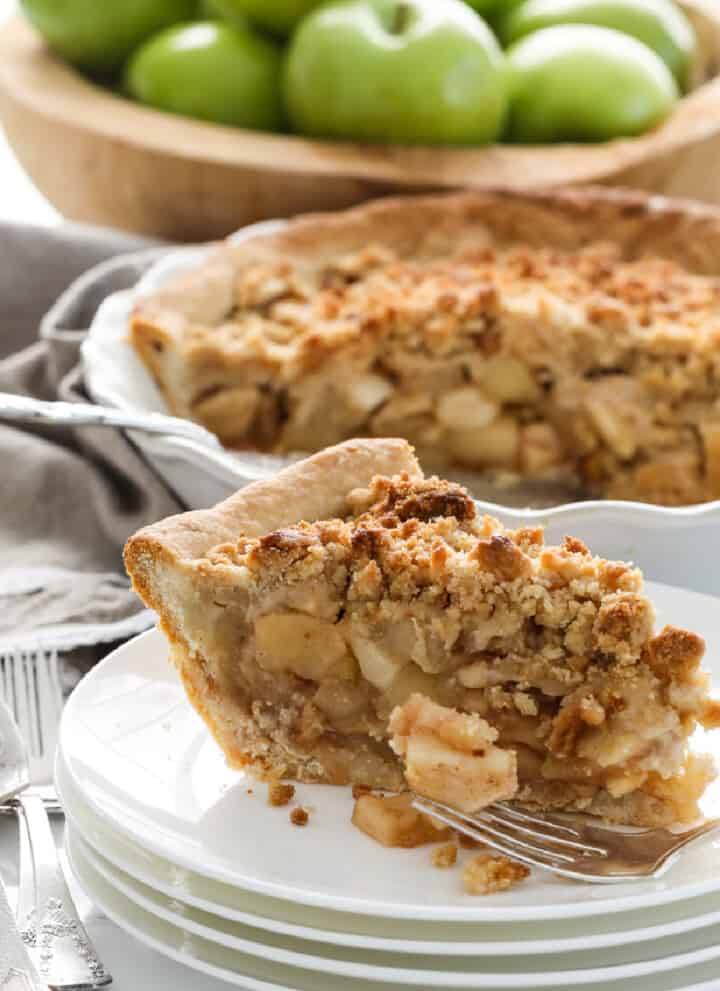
<point>25,409</point>
<point>52,930</point>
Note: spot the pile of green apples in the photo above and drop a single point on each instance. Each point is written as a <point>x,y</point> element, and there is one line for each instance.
<point>432,72</point>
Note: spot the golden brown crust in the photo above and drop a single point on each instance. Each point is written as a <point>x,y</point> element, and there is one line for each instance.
<point>312,489</point>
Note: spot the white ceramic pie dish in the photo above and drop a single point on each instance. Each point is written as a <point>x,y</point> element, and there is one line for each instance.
<point>680,546</point>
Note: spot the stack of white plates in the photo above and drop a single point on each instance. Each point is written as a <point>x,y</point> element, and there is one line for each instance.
<point>187,855</point>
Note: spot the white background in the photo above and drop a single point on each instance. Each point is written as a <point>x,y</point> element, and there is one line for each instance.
<point>20,201</point>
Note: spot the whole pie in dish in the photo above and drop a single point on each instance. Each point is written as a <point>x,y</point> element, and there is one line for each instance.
<point>558,336</point>
<point>303,610</point>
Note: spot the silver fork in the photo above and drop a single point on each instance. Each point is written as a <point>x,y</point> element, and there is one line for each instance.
<point>573,846</point>
<point>47,917</point>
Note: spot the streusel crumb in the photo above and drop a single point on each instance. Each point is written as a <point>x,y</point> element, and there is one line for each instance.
<point>444,856</point>
<point>359,790</point>
<point>299,816</point>
<point>280,793</point>
<point>489,873</point>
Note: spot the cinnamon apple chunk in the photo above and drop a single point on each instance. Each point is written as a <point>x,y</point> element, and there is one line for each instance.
<point>450,756</point>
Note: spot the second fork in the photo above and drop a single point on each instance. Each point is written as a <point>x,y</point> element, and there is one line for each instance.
<point>47,918</point>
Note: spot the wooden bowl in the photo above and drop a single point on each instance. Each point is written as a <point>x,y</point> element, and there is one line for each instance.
<point>103,159</point>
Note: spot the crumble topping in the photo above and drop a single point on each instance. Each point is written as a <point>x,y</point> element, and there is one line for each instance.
<point>281,314</point>
<point>489,873</point>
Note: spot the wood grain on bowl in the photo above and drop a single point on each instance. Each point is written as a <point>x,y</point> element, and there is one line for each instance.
<point>100,158</point>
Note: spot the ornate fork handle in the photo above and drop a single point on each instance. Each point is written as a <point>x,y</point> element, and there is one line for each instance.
<point>49,924</point>
<point>16,971</point>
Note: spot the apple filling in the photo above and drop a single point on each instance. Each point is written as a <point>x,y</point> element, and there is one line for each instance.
<point>298,645</point>
<point>524,362</point>
<point>451,756</point>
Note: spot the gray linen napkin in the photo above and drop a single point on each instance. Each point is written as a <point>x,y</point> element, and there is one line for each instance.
<point>68,498</point>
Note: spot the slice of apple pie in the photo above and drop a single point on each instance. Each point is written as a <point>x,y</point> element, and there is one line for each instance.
<point>304,609</point>
<point>567,337</point>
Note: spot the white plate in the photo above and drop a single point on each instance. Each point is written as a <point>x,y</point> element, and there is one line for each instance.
<point>146,765</point>
<point>512,971</point>
<point>363,932</point>
<point>256,974</point>
<point>679,546</point>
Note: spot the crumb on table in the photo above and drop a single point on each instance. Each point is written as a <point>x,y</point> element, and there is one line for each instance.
<point>280,793</point>
<point>445,856</point>
<point>299,816</point>
<point>490,872</point>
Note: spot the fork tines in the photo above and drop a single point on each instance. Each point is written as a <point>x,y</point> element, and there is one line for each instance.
<point>30,687</point>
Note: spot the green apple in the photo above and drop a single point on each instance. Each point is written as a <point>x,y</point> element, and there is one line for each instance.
<point>585,83</point>
<point>277,16</point>
<point>414,72</point>
<point>660,24</point>
<point>210,70</point>
<point>99,36</point>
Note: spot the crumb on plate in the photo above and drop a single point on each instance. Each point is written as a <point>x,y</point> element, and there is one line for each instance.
<point>280,793</point>
<point>489,873</point>
<point>299,816</point>
<point>445,856</point>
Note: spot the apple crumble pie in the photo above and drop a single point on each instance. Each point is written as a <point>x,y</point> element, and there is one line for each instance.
<point>305,608</point>
<point>554,336</point>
